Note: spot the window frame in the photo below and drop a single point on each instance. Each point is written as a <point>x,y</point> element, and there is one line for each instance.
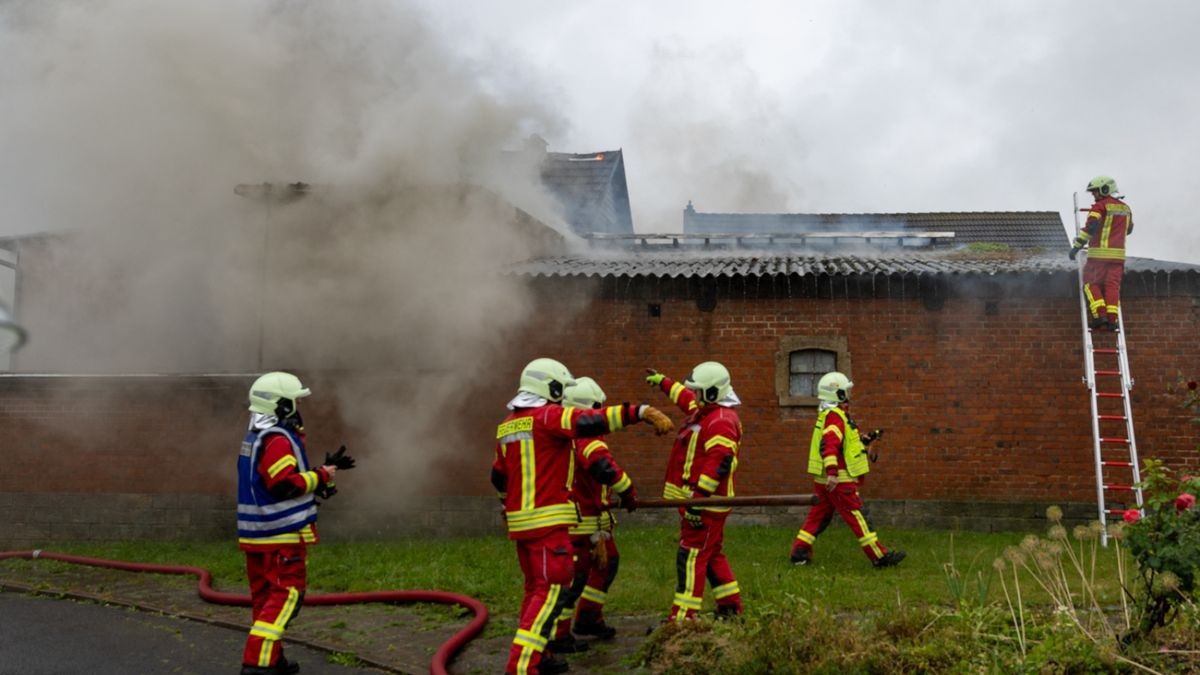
<point>837,344</point>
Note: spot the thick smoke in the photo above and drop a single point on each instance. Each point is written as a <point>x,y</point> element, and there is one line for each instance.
<point>127,126</point>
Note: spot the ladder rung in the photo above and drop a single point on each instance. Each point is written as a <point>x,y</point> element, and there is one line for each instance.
<point>1108,372</point>
<point>1116,463</point>
<point>1112,417</point>
<point>1104,350</point>
<point>1127,488</point>
<point>1114,440</point>
<point>1107,394</point>
<point>1116,512</point>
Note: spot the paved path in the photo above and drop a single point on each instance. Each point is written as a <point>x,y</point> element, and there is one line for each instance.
<point>47,636</point>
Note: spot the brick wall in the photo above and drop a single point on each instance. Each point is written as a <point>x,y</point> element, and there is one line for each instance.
<point>977,383</point>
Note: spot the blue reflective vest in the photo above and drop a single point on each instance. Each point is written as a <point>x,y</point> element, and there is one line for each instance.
<point>259,514</point>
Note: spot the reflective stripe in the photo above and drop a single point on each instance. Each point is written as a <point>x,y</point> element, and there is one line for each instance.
<point>593,594</point>
<point>806,537</point>
<point>567,413</point>
<point>708,483</point>
<point>612,415</point>
<point>592,524</point>
<point>266,631</point>
<point>528,639</point>
<point>623,484</point>
<point>280,465</point>
<point>542,516</point>
<point>593,446</point>
<point>722,441</point>
<point>835,431</point>
<point>246,525</point>
<point>726,590</point>
<point>521,425</point>
<point>539,627</point>
<point>691,451</point>
<point>513,438</point>
<point>528,476</point>
<point>676,390</point>
<point>671,491</point>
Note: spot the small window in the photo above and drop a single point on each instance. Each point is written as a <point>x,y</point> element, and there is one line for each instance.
<point>802,360</point>
<point>805,368</point>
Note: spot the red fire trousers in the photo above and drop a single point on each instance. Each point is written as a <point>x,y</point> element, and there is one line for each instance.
<point>277,583</point>
<point>843,499</point>
<point>1102,286</point>
<point>548,569</point>
<point>701,556</point>
<point>589,590</point>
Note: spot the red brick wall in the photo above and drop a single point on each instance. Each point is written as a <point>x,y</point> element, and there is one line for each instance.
<point>977,405</point>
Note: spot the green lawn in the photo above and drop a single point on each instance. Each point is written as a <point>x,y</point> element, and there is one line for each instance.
<point>486,567</point>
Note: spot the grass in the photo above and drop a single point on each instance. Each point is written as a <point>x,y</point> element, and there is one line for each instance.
<point>486,568</point>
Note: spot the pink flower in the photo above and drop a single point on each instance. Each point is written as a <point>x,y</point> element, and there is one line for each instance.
<point>1132,516</point>
<point>1184,502</point>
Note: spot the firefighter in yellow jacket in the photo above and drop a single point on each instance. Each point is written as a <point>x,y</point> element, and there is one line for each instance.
<point>838,462</point>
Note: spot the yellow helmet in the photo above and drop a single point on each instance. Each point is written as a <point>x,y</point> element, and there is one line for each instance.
<point>546,378</point>
<point>1105,185</point>
<point>269,390</point>
<point>585,393</point>
<point>834,387</point>
<point>711,380</point>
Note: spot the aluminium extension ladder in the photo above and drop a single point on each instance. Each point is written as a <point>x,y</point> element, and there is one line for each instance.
<point>1117,470</point>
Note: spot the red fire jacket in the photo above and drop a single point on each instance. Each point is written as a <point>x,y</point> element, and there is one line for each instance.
<point>535,458</point>
<point>1109,220</point>
<point>597,476</point>
<point>704,457</point>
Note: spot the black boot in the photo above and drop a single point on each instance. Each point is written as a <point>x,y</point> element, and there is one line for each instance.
<point>801,556</point>
<point>1097,323</point>
<point>567,645</point>
<point>597,629</point>
<point>551,664</point>
<point>726,612</point>
<point>889,559</point>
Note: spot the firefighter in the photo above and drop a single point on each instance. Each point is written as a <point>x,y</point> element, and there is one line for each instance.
<point>534,460</point>
<point>596,477</point>
<point>838,463</point>
<point>277,514</point>
<point>1108,223</point>
<point>702,463</point>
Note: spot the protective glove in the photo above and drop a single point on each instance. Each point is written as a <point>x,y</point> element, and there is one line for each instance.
<point>1074,252</point>
<point>662,423</point>
<point>629,499</point>
<point>872,435</point>
<point>692,515</point>
<point>340,459</point>
<point>654,378</point>
<point>326,491</point>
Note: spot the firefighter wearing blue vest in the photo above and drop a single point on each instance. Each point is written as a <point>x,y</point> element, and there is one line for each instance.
<point>838,462</point>
<point>277,515</point>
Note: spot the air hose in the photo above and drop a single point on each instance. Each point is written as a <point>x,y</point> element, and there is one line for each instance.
<point>440,658</point>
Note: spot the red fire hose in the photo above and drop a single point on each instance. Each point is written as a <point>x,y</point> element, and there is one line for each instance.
<point>440,658</point>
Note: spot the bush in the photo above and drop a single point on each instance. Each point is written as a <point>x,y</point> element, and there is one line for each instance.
<point>1165,542</point>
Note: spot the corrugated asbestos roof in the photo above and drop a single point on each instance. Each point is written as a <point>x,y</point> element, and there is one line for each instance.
<point>706,264</point>
<point>1017,229</point>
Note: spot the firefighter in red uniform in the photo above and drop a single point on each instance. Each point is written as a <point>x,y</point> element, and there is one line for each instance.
<point>702,463</point>
<point>277,515</point>
<point>534,460</point>
<point>1108,222</point>
<point>838,462</point>
<point>597,476</point>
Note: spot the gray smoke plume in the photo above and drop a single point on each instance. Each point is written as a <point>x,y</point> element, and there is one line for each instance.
<point>126,127</point>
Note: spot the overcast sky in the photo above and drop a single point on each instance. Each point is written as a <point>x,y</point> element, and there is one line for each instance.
<point>845,106</point>
<point>835,106</point>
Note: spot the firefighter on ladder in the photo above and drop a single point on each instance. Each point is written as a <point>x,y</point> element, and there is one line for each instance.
<point>702,463</point>
<point>277,515</point>
<point>596,476</point>
<point>534,458</point>
<point>837,461</point>
<point>1108,223</point>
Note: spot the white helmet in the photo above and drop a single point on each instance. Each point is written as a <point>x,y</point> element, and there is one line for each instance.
<point>834,387</point>
<point>711,380</point>
<point>271,389</point>
<point>546,378</point>
<point>585,393</point>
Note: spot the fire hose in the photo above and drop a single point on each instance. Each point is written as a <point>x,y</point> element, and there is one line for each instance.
<point>440,658</point>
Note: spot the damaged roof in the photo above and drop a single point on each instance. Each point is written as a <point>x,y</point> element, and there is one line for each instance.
<point>1016,229</point>
<point>591,189</point>
<point>695,263</point>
